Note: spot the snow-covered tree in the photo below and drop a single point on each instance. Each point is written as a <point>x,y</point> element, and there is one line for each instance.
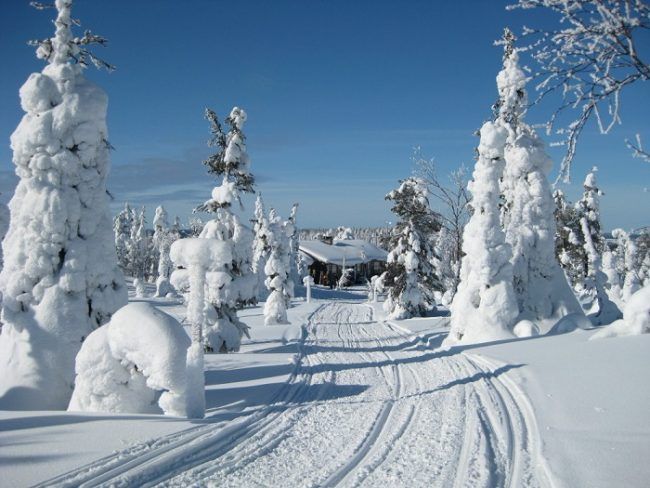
<point>122,225</point>
<point>260,246</point>
<point>60,279</point>
<point>485,305</point>
<point>163,238</point>
<point>4,227</point>
<point>588,61</point>
<point>277,269</point>
<point>237,288</point>
<point>627,248</point>
<point>138,252</point>
<point>343,234</point>
<point>410,278</point>
<point>294,246</point>
<point>453,198</point>
<point>569,242</point>
<point>602,310</point>
<point>542,290</point>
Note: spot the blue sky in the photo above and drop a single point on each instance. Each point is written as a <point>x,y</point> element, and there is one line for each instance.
<point>337,92</point>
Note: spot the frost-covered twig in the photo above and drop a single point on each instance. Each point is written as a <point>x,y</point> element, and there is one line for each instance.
<point>588,60</point>
<point>637,149</point>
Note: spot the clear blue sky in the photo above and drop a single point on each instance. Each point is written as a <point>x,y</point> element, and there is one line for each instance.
<point>337,93</point>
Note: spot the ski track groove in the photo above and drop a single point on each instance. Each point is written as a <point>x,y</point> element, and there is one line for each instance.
<point>472,421</point>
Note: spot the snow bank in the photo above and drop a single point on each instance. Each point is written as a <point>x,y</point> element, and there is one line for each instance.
<point>135,364</point>
<point>636,317</point>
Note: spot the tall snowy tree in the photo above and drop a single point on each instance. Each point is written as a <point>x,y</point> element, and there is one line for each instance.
<point>410,278</point>
<point>60,280</point>
<point>485,305</point>
<point>543,293</point>
<point>226,294</point>
<point>277,269</point>
<point>294,246</point>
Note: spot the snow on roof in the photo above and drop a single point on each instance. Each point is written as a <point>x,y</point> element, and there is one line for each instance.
<point>352,251</point>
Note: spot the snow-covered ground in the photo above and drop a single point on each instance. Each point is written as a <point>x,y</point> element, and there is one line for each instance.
<point>343,397</point>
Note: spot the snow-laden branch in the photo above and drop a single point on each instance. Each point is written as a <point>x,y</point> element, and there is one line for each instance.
<point>589,60</point>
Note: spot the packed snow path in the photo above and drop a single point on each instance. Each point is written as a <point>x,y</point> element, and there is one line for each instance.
<point>367,405</point>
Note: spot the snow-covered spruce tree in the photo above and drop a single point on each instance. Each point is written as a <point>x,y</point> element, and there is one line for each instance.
<point>260,246</point>
<point>138,252</point>
<point>231,162</point>
<point>485,307</point>
<point>294,246</point>
<point>626,247</point>
<point>410,278</point>
<point>543,293</point>
<point>60,279</point>
<point>601,309</point>
<point>277,269</point>
<point>122,225</point>
<point>569,242</point>
<point>162,241</point>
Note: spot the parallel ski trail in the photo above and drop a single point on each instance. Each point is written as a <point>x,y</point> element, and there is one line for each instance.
<point>366,405</point>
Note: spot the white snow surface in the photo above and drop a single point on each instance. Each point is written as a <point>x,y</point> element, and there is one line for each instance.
<point>349,399</point>
<point>636,317</point>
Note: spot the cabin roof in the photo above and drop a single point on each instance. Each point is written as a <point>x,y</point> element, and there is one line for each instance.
<point>348,252</point>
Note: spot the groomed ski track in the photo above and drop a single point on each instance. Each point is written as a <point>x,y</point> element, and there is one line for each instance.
<point>366,405</point>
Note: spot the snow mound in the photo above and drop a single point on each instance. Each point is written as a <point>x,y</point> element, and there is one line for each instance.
<point>525,328</point>
<point>134,364</point>
<point>569,323</point>
<point>636,317</point>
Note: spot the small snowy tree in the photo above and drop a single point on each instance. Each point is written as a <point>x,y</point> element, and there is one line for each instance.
<point>294,246</point>
<point>138,252</point>
<point>410,278</point>
<point>627,248</point>
<point>485,306</point>
<point>162,241</point>
<point>232,164</point>
<point>122,225</point>
<point>60,279</point>
<point>543,293</point>
<point>569,243</point>
<point>277,270</point>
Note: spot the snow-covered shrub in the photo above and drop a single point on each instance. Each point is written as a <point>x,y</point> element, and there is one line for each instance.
<point>60,279</point>
<point>346,279</point>
<point>525,328</point>
<point>134,364</point>
<point>636,317</point>
<point>138,252</point>
<point>343,234</point>
<point>542,291</point>
<point>277,270</point>
<point>410,278</point>
<point>484,307</point>
<point>569,323</point>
